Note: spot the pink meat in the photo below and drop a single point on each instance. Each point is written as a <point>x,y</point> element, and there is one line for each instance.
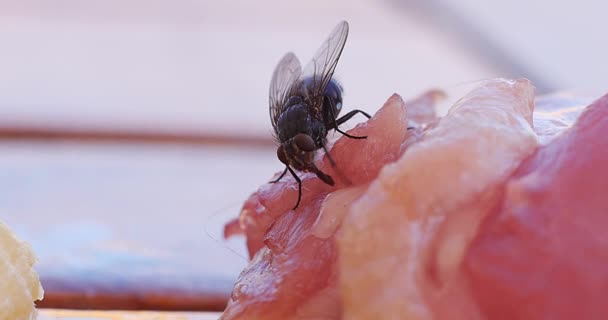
<point>542,251</point>
<point>463,217</point>
<point>293,271</point>
<point>403,241</point>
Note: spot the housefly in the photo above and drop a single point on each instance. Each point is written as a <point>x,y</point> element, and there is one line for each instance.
<point>304,107</point>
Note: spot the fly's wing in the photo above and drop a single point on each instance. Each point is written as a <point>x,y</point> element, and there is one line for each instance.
<point>286,73</point>
<point>321,68</point>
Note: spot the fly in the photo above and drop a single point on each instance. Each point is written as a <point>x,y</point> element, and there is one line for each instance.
<point>304,107</point>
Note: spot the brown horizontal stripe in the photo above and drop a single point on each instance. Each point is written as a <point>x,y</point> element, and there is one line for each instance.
<point>159,301</point>
<point>132,136</point>
<point>71,294</point>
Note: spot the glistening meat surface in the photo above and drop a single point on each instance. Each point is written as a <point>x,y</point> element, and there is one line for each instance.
<point>291,266</point>
<point>482,214</point>
<point>402,243</point>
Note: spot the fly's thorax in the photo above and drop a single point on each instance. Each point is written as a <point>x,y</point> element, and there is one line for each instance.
<point>298,119</point>
<point>295,119</point>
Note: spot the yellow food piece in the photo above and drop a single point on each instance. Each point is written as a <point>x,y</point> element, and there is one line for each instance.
<point>19,283</point>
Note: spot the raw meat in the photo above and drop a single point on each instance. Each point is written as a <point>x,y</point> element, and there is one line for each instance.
<point>542,251</point>
<point>291,267</point>
<point>491,212</point>
<point>401,245</point>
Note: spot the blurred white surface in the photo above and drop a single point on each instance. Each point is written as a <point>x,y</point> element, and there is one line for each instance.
<point>561,41</point>
<point>203,65</point>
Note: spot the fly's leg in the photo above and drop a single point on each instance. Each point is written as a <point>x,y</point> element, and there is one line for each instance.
<point>324,177</point>
<point>281,176</point>
<point>331,160</point>
<point>347,117</point>
<point>333,164</point>
<point>295,176</point>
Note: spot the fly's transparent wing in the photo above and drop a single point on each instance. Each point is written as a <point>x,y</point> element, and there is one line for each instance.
<point>321,68</point>
<point>286,73</point>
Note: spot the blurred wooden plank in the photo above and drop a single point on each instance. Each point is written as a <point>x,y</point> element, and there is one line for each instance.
<point>56,314</point>
<point>69,132</point>
<point>131,226</point>
<point>188,292</point>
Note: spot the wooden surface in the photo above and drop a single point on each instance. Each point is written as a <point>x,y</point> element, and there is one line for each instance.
<point>131,226</point>
<point>56,314</point>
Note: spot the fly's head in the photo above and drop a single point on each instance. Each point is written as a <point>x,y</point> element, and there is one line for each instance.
<point>298,152</point>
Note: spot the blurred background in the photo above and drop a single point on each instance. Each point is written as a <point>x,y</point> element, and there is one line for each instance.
<point>132,130</point>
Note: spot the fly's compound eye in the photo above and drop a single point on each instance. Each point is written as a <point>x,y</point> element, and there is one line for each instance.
<point>338,106</point>
<point>281,154</point>
<point>304,142</point>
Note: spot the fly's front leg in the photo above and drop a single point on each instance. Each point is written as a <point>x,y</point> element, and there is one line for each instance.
<point>331,160</point>
<point>295,176</point>
<point>281,176</point>
<point>347,117</point>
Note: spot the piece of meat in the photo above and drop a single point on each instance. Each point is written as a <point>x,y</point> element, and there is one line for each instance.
<point>293,272</point>
<point>542,251</point>
<point>420,112</point>
<point>233,228</point>
<point>442,221</point>
<point>401,244</point>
